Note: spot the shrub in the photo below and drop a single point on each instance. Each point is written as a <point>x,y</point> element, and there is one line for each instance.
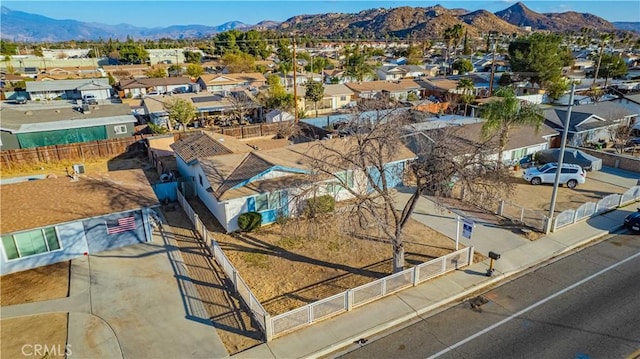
<point>250,221</point>
<point>321,204</point>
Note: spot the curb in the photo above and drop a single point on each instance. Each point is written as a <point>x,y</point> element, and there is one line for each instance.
<point>375,330</point>
<point>457,298</point>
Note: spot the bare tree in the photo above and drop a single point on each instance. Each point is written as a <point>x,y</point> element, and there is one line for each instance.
<point>363,168</point>
<point>243,104</point>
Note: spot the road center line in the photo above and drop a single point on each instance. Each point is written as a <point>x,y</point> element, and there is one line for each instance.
<point>532,306</point>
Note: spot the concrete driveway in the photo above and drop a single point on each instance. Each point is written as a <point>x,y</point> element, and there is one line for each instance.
<point>145,295</point>
<point>598,184</point>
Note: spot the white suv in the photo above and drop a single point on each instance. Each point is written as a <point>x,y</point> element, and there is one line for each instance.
<point>571,175</point>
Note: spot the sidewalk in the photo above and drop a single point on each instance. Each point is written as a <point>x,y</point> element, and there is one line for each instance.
<point>517,254</point>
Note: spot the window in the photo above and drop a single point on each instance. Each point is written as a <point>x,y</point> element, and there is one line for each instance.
<point>569,170</point>
<point>343,98</point>
<point>200,179</point>
<point>268,201</point>
<point>120,129</point>
<point>346,178</point>
<point>29,243</point>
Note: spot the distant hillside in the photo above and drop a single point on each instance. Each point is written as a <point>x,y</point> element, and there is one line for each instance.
<point>22,26</point>
<point>520,15</point>
<point>380,23</point>
<point>628,26</point>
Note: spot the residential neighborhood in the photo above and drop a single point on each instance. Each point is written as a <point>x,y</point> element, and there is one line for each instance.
<point>321,185</point>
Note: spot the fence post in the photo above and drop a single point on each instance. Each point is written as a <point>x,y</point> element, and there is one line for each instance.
<point>522,215</point>
<point>349,299</point>
<point>268,328</point>
<point>470,259</point>
<point>444,265</point>
<point>501,207</point>
<point>416,275</point>
<point>235,280</point>
<point>195,222</point>
<point>620,200</point>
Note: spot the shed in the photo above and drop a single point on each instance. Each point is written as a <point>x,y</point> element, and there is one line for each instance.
<point>278,116</point>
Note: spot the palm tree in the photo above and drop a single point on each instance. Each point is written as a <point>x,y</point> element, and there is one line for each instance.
<point>506,114</point>
<point>466,85</point>
<point>457,31</point>
<point>604,37</point>
<point>452,36</point>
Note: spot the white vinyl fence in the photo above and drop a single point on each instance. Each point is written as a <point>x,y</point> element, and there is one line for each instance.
<point>353,298</point>
<point>590,209</point>
<point>311,313</point>
<point>532,218</point>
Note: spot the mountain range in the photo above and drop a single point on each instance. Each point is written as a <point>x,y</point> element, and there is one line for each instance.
<point>373,23</point>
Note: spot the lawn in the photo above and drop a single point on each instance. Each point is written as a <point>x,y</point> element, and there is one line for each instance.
<point>34,285</point>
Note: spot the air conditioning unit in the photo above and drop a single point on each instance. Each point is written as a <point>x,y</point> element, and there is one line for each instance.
<point>78,168</point>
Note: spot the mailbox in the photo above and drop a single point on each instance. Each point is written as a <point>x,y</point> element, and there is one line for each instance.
<point>494,255</point>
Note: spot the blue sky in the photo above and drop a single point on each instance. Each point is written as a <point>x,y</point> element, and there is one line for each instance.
<point>160,13</point>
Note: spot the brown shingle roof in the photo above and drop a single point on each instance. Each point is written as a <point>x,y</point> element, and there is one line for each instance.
<point>151,82</point>
<point>519,137</point>
<point>45,202</point>
<point>198,146</point>
<point>375,86</point>
<point>226,171</point>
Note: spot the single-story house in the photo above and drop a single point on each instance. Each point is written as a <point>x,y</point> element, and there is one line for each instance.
<point>59,126</point>
<point>217,83</point>
<point>335,97</point>
<point>46,221</point>
<point>210,107</point>
<point>269,181</point>
<point>71,72</point>
<point>378,89</point>
<point>591,123</point>
<point>399,72</point>
<point>142,86</point>
<point>69,89</point>
<point>523,140</point>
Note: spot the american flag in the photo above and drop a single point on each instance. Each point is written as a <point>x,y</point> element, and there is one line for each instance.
<point>121,225</point>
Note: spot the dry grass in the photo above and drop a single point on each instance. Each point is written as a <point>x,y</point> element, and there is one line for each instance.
<point>299,262</point>
<point>34,285</point>
<point>43,329</point>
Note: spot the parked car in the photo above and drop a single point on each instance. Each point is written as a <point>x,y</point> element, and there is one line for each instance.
<point>20,99</point>
<point>632,221</point>
<point>571,155</point>
<point>571,175</point>
<point>89,100</point>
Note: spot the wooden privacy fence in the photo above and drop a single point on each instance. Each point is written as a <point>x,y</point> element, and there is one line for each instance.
<point>69,152</point>
<point>248,131</point>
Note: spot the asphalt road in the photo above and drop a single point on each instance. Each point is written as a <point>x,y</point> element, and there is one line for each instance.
<point>586,305</point>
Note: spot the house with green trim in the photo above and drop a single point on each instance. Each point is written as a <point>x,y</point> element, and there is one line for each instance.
<point>232,178</point>
<point>38,127</point>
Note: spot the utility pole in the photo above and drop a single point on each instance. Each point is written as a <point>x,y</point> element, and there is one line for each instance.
<point>563,145</point>
<point>493,68</point>
<point>295,85</point>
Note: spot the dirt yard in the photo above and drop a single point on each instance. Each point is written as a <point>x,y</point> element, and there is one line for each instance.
<point>92,166</point>
<point>291,265</point>
<point>34,285</point>
<point>27,336</point>
<point>539,197</point>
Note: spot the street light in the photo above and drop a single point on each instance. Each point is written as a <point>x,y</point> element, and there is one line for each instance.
<point>563,144</point>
